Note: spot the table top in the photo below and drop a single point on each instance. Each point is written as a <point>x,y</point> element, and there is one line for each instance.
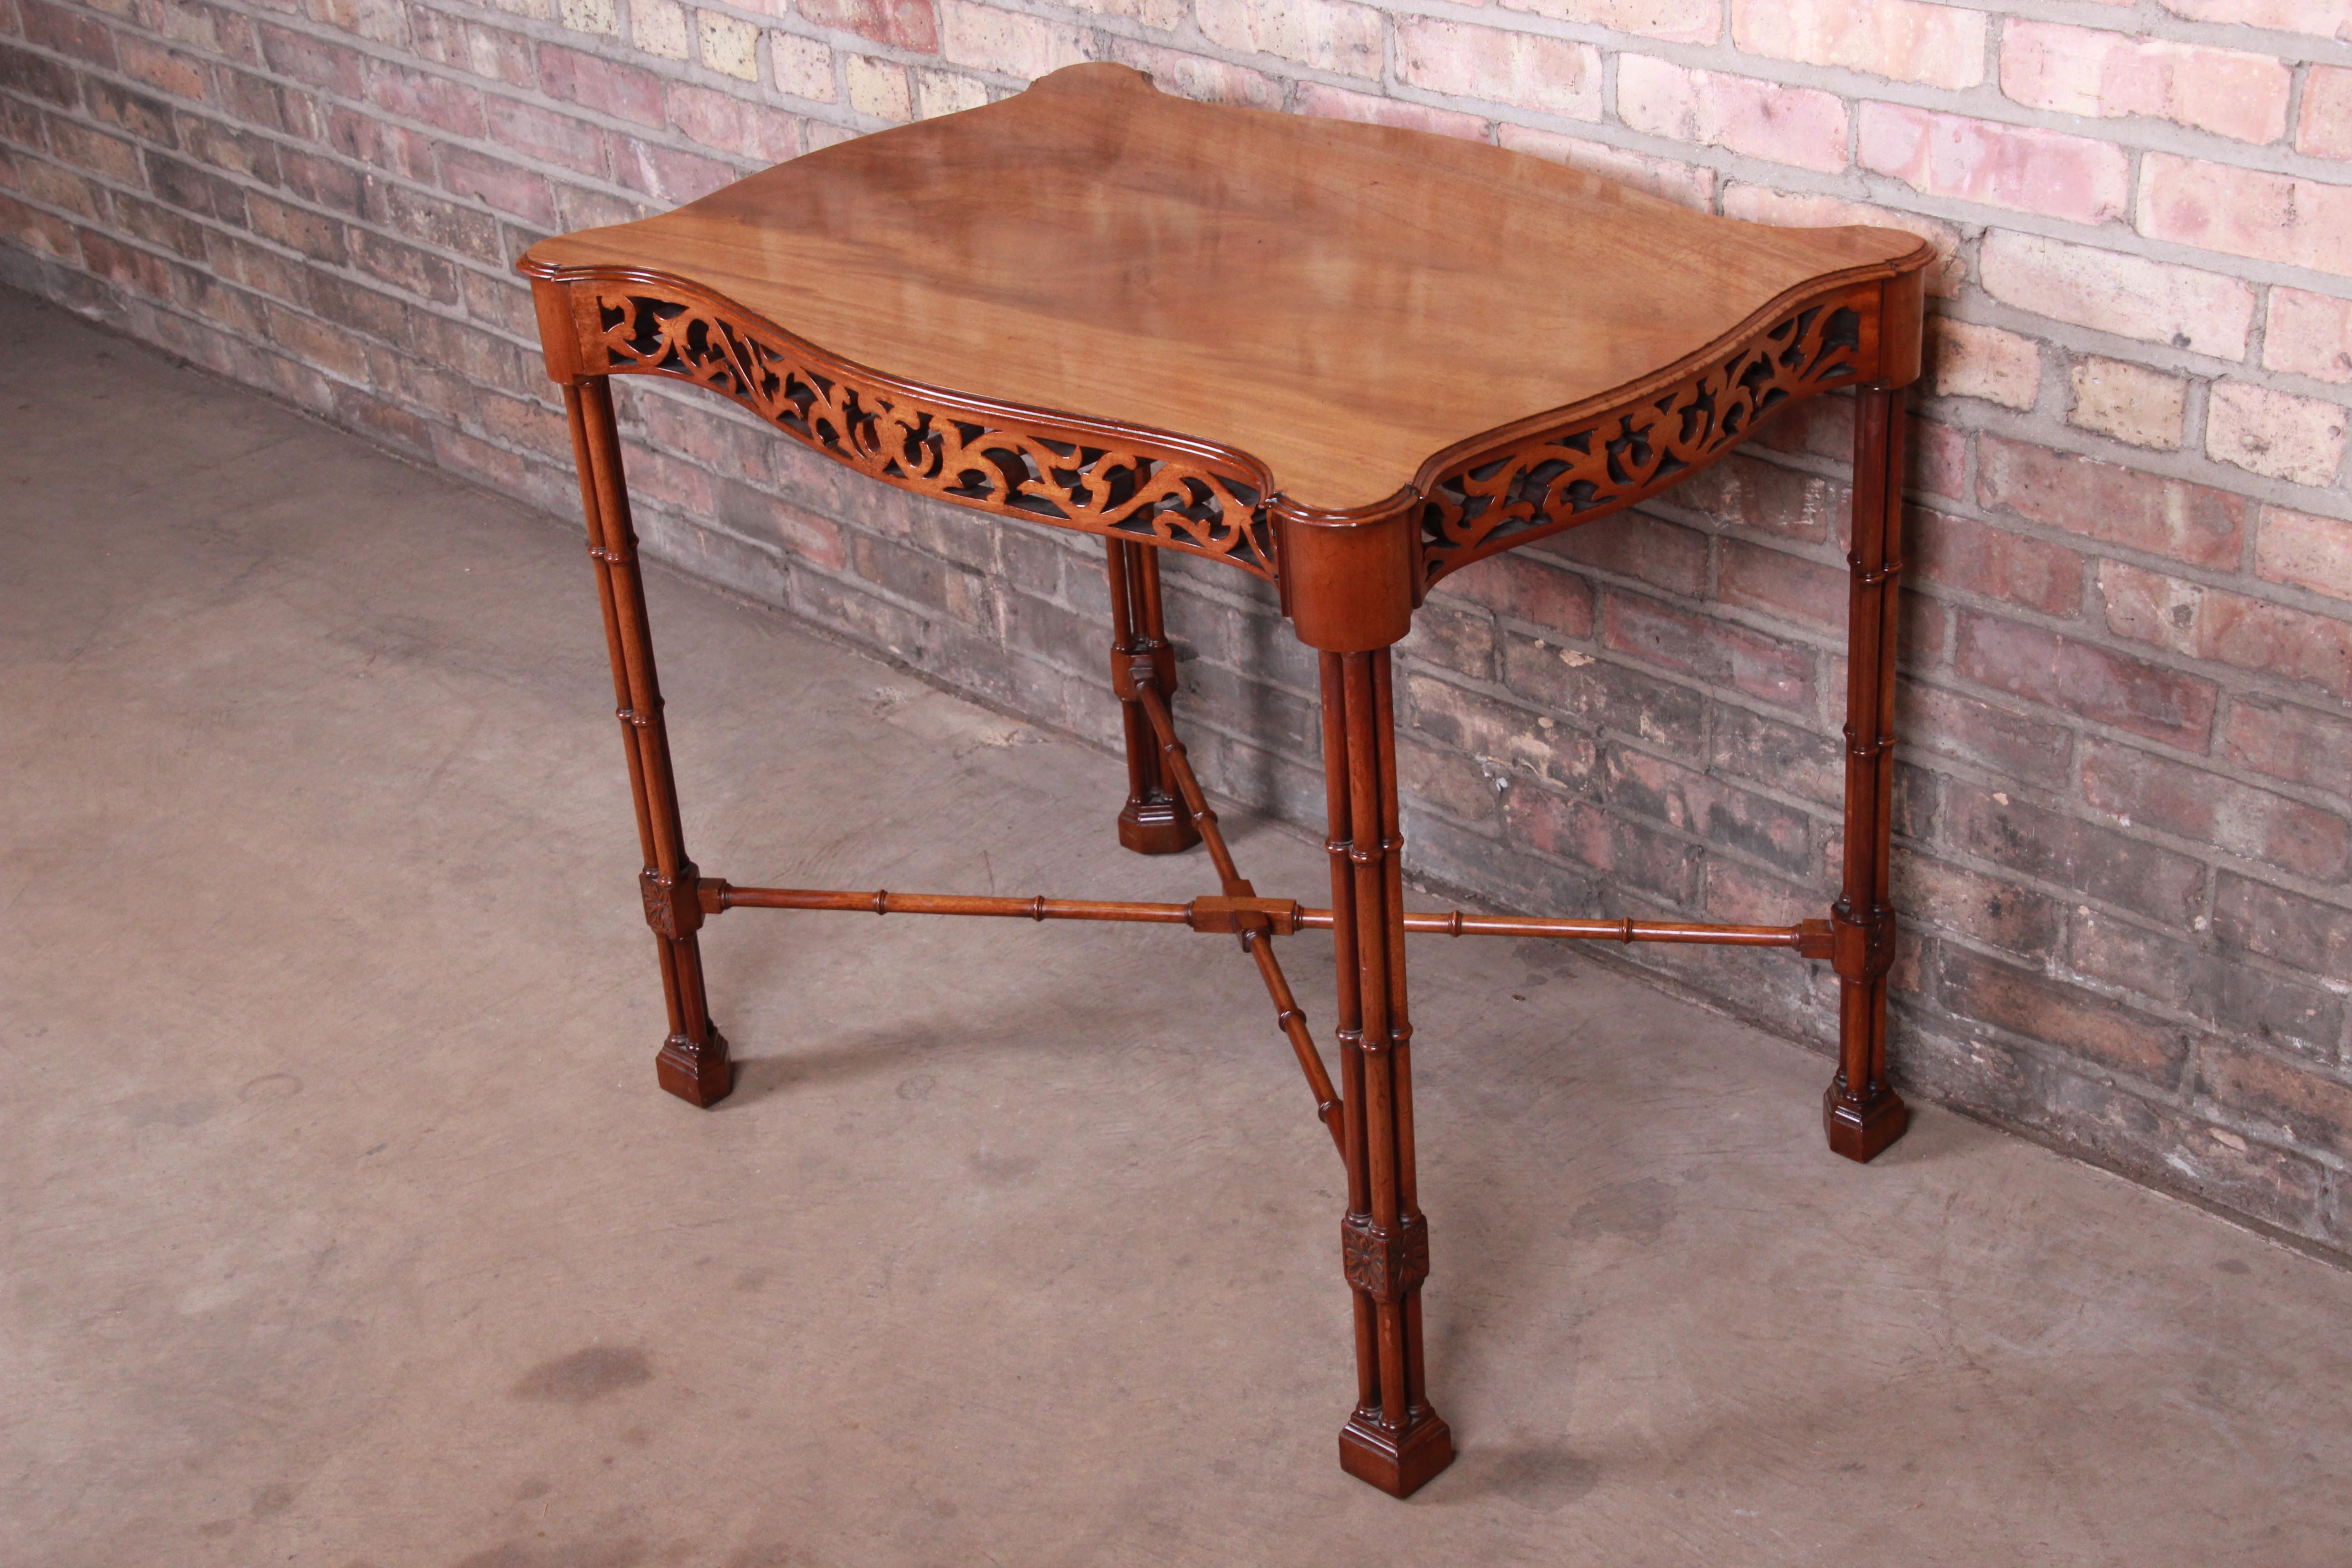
<point>1339,301</point>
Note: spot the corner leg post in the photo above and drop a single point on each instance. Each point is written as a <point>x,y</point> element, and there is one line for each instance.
<point>1862,1113</point>
<point>1393,1440</point>
<point>693,1061</point>
<point>1153,821</point>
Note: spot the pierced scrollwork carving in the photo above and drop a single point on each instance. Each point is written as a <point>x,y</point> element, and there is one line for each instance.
<point>1111,486</point>
<point>1575,472</point>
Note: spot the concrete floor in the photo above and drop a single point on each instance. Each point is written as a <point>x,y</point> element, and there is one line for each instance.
<point>344,1225</point>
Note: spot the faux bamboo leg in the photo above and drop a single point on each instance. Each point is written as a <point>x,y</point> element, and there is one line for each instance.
<point>1393,1440</point>
<point>1862,1113</point>
<point>1153,821</point>
<point>693,1063</point>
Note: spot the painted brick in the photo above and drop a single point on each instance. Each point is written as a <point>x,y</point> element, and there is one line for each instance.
<point>2307,552</point>
<point>2324,128</point>
<point>1740,114</point>
<point>2186,802</point>
<point>2129,402</point>
<point>2079,677</point>
<point>2112,503</point>
<point>1007,41</point>
<point>910,25</point>
<point>2300,745</point>
<point>1955,724</point>
<point>2275,434</point>
<point>1762,204</point>
<point>2198,622</point>
<point>1685,184</point>
<point>2030,1003</point>
<point>2106,74</point>
<point>2309,334</point>
<point>2246,211</point>
<point>1968,359</point>
<point>2018,167</point>
<point>1329,35</point>
<point>1993,562</point>
<point>1678,21</point>
<point>1940,45</point>
<point>1524,70</point>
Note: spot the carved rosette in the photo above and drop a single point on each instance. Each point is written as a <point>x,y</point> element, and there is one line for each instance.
<point>1094,481</point>
<point>1585,468</point>
<point>1385,1267</point>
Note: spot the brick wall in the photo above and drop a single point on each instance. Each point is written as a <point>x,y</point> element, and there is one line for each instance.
<point>2128,702</point>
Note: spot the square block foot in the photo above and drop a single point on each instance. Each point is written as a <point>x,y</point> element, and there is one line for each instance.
<point>1398,1465</point>
<point>1861,1129</point>
<point>700,1074</point>
<point>1159,826</point>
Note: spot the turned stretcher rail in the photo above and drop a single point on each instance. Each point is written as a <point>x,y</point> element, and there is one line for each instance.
<point>1230,915</point>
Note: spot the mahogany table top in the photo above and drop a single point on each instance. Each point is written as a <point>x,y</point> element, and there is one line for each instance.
<point>1339,301</point>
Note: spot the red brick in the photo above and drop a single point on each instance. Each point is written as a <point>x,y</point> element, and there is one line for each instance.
<point>1008,41</point>
<point>622,91</point>
<point>1940,45</point>
<point>1797,759</point>
<point>1780,673</point>
<point>2204,807</point>
<point>2313,1110</point>
<point>1528,588</point>
<point>44,234</point>
<point>2309,334</point>
<point>2154,301</point>
<point>36,76</point>
<point>2214,987</point>
<point>1525,71</point>
<point>335,67</point>
<point>1500,735</point>
<point>1967,359</point>
<point>2298,932</point>
<point>1328,35</point>
<point>1986,908</point>
<point>2214,623</point>
<point>2323,130</point>
<point>1577,831</point>
<point>97,151</point>
<point>1741,895</point>
<point>374,140</point>
<point>2013,166</point>
<point>1680,21</point>
<point>1789,209</point>
<point>2077,678</point>
<point>1762,578</point>
<point>1795,125</point>
<point>1955,724</point>
<point>1717,812</point>
<point>2244,212</point>
<point>404,266</point>
<point>2322,18</point>
<point>1786,502</point>
<point>1632,544</point>
<point>488,52</point>
<point>733,125</point>
<point>2098,72</point>
<point>497,183</point>
<point>1370,109</point>
<point>438,100</point>
<point>557,138</point>
<point>666,173</point>
<point>2274,434</point>
<point>2314,552</point>
<point>2301,745</point>
<point>167,70</point>
<point>2075,1021</point>
<point>1962,553</point>
<point>66,31</point>
<point>2112,503</point>
<point>1209,81</point>
<point>910,25</point>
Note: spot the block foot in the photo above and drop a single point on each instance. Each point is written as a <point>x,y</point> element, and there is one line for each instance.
<point>1861,1129</point>
<point>700,1074</point>
<point>1398,1465</point>
<point>1158,825</point>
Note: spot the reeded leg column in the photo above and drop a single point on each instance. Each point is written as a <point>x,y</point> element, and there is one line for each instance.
<point>693,1061</point>
<point>1393,1440</point>
<point>1862,1113</point>
<point>1153,821</point>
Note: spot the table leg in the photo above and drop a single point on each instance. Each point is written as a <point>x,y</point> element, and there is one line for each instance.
<point>1153,821</point>
<point>1393,1440</point>
<point>1862,1113</point>
<point>693,1062</point>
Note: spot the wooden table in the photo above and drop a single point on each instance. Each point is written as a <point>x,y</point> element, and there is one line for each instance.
<point>1346,359</point>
